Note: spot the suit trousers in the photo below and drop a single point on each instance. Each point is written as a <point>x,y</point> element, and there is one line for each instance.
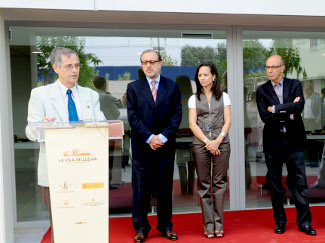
<point>48,197</point>
<point>296,182</point>
<point>153,176</point>
<point>210,166</point>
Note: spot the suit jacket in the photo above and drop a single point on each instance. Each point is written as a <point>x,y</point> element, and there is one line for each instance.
<point>147,117</point>
<point>274,122</point>
<point>108,105</point>
<point>48,101</point>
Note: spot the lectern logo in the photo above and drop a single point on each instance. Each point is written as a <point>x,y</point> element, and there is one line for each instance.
<point>93,202</point>
<point>66,204</point>
<point>65,186</point>
<point>76,152</point>
<point>92,185</point>
<point>77,156</point>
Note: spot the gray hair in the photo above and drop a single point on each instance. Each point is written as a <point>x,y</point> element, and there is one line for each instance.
<point>56,55</point>
<point>150,50</point>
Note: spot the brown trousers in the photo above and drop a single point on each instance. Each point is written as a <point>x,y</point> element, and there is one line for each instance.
<point>48,196</point>
<point>210,166</point>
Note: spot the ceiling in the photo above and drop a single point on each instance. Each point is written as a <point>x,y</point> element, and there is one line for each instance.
<point>100,18</point>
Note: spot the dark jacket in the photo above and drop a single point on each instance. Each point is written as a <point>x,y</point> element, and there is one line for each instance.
<point>147,117</point>
<point>275,122</point>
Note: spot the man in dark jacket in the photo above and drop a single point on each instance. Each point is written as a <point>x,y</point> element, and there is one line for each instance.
<point>280,102</point>
<point>154,113</point>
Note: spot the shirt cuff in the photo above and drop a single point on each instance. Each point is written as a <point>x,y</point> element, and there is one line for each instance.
<point>162,138</point>
<point>273,109</point>
<point>149,139</point>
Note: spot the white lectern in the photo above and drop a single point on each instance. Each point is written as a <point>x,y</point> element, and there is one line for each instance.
<point>77,159</point>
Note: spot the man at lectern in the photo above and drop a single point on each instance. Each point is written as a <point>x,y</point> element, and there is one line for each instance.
<point>62,101</point>
<point>154,113</point>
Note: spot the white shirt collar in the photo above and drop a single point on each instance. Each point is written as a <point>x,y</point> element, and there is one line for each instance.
<point>64,89</point>
<point>156,79</point>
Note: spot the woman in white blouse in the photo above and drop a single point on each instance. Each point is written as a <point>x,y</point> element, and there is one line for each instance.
<point>210,121</point>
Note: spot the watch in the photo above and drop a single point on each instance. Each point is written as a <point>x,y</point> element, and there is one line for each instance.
<point>222,134</point>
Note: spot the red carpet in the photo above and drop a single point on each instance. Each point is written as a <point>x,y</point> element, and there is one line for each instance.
<point>247,226</point>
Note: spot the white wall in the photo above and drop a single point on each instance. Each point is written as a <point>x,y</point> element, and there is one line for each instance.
<point>274,7</point>
<point>46,4</point>
<point>6,187</point>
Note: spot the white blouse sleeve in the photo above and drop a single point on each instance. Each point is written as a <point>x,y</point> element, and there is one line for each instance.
<point>226,99</point>
<point>192,102</point>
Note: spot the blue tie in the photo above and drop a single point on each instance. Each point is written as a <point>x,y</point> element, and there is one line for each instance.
<point>73,115</point>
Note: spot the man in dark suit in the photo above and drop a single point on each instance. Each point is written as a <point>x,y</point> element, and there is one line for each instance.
<point>280,102</point>
<point>154,113</point>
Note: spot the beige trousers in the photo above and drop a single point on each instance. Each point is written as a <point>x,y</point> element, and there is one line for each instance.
<point>210,166</point>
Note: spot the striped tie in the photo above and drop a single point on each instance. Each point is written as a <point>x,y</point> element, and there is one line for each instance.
<point>154,90</point>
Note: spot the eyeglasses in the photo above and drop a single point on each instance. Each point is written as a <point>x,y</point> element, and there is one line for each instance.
<point>70,66</point>
<point>273,67</point>
<point>152,62</point>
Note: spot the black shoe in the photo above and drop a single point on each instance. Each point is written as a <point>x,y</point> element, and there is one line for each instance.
<point>307,229</point>
<point>279,228</point>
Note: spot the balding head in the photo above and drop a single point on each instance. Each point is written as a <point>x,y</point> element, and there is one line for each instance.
<point>275,68</point>
<point>276,58</point>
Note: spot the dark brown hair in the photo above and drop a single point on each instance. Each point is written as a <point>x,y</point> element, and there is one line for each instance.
<point>216,87</point>
<point>99,82</point>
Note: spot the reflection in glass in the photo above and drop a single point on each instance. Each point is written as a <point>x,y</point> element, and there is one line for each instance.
<point>303,54</point>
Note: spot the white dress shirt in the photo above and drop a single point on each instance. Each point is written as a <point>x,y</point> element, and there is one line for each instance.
<point>162,137</point>
<point>75,97</point>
